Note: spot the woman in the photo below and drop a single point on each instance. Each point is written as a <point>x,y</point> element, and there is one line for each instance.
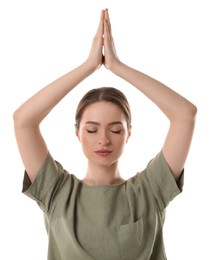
<point>103,216</point>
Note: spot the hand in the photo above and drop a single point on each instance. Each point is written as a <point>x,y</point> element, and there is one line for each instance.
<point>95,58</point>
<point>111,58</point>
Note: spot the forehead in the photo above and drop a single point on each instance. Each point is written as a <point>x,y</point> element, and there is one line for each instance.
<point>103,111</point>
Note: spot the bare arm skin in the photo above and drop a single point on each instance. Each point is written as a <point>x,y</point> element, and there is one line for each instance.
<point>180,112</point>
<point>28,116</point>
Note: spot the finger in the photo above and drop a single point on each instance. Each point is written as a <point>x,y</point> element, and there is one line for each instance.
<point>107,32</point>
<point>100,26</point>
<point>106,29</point>
<point>107,15</point>
<point>107,18</point>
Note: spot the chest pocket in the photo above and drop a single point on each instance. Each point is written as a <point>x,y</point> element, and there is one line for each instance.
<point>129,238</point>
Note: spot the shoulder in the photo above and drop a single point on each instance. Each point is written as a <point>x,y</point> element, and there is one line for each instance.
<point>157,169</point>
<point>51,178</point>
<point>157,180</point>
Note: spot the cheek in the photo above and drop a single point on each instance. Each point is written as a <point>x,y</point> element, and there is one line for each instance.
<point>119,143</point>
<point>87,142</point>
<point>81,136</point>
<point>123,138</point>
<point>86,146</point>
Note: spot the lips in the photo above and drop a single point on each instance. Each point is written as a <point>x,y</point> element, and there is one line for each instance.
<point>103,153</point>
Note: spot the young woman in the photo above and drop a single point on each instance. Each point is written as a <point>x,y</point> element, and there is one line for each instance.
<point>103,216</point>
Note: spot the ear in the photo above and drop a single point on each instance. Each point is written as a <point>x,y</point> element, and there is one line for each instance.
<point>77,133</point>
<point>128,136</point>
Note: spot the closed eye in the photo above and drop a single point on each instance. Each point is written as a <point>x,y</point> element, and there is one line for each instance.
<point>91,131</point>
<point>116,132</point>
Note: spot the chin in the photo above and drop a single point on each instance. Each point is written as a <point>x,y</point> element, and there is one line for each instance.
<point>104,162</point>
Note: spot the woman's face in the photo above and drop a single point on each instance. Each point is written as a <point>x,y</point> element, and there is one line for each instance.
<point>103,133</point>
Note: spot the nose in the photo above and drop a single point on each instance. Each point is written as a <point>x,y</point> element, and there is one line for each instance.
<point>103,139</point>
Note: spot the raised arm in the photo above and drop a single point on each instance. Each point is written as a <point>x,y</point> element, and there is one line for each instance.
<point>180,112</point>
<point>28,116</point>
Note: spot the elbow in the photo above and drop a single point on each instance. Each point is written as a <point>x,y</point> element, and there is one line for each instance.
<point>186,113</point>
<point>24,119</point>
<point>192,111</point>
<point>18,118</point>
<point>189,113</point>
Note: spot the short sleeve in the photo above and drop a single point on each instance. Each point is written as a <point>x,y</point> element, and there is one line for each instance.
<point>46,183</point>
<point>162,182</point>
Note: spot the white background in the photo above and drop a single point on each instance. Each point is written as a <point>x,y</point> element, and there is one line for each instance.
<point>42,40</point>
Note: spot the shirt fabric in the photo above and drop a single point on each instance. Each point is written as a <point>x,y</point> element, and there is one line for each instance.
<point>104,222</point>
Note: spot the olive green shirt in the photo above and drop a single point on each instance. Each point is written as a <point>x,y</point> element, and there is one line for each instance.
<point>104,222</point>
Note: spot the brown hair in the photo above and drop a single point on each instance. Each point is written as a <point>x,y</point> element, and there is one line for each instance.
<point>107,94</point>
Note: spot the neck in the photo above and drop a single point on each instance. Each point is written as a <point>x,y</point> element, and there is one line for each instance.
<point>97,174</point>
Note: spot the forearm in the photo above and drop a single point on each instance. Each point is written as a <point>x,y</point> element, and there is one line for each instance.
<point>34,110</point>
<point>173,105</point>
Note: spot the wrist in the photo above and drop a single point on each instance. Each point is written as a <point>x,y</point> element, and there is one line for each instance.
<point>116,67</point>
<point>92,66</point>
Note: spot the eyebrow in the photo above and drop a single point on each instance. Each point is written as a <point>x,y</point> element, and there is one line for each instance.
<point>96,123</point>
